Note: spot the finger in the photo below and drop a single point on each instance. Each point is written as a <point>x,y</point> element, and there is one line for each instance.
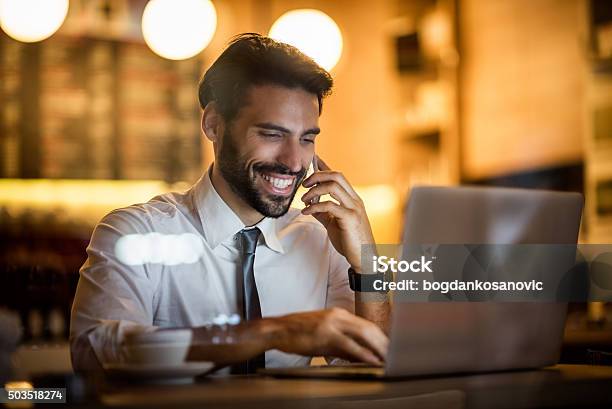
<point>327,206</point>
<point>349,348</point>
<point>327,176</point>
<point>332,188</point>
<point>320,164</point>
<point>365,332</point>
<point>369,335</point>
<point>323,218</point>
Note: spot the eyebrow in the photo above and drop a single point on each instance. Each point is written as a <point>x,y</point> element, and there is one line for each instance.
<point>274,127</point>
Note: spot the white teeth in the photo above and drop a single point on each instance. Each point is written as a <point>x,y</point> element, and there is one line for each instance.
<point>278,183</point>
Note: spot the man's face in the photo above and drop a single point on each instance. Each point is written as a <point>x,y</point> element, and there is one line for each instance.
<point>266,150</point>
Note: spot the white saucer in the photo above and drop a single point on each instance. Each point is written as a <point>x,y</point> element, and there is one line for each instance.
<point>168,374</point>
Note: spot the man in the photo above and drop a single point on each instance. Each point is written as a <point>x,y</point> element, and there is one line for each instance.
<point>285,272</point>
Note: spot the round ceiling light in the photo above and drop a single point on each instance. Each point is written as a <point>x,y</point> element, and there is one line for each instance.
<point>311,31</point>
<point>32,20</point>
<point>178,30</point>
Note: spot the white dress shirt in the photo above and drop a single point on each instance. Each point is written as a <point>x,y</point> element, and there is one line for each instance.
<point>296,269</point>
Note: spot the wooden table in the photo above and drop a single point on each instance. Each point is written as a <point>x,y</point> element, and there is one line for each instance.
<point>558,386</point>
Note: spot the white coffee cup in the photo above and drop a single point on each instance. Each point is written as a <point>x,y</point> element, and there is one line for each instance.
<point>168,347</point>
<point>156,354</point>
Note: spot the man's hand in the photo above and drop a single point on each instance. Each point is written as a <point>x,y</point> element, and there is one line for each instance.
<point>347,223</point>
<point>333,332</point>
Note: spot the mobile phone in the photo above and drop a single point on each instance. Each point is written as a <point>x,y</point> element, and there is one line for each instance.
<point>311,170</point>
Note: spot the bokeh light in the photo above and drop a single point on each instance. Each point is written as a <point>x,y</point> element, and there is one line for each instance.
<point>312,32</point>
<point>178,30</point>
<point>157,248</point>
<point>32,20</point>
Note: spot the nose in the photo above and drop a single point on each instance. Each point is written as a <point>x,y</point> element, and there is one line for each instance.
<point>290,155</point>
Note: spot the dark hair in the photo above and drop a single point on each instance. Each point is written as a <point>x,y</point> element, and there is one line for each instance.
<point>252,59</point>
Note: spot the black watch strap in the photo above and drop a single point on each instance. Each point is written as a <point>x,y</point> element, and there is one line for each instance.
<point>365,282</point>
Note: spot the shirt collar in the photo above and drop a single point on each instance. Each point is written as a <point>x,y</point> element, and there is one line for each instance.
<point>219,222</point>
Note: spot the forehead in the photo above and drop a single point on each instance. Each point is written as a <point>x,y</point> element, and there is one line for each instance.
<point>278,104</point>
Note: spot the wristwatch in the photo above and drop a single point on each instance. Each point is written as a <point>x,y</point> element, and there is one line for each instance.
<point>365,282</point>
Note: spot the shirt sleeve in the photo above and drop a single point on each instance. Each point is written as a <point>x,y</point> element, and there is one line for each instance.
<point>111,297</point>
<point>339,293</point>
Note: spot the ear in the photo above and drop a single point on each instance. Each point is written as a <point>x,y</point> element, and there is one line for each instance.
<point>212,122</point>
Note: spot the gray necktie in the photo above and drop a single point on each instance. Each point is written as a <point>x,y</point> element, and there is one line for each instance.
<point>248,298</point>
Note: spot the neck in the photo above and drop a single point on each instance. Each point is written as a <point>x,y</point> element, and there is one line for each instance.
<point>246,213</point>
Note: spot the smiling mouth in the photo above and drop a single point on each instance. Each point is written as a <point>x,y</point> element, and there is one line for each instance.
<point>278,184</point>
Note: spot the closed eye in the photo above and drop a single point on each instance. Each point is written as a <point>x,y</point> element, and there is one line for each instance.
<point>270,135</point>
<point>309,137</point>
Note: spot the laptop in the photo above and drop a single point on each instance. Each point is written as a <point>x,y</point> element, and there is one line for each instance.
<point>434,338</point>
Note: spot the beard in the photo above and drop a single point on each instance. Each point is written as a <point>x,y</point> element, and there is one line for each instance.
<point>242,179</point>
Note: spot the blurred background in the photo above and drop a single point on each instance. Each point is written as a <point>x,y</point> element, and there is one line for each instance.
<point>99,110</point>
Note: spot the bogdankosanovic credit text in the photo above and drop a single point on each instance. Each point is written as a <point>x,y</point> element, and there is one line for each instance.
<point>383,264</point>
